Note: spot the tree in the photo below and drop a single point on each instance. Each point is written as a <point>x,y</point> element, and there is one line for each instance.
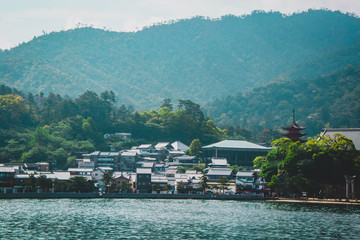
<point>203,184</point>
<point>167,103</point>
<point>81,184</point>
<point>108,180</point>
<point>199,168</point>
<point>180,187</point>
<point>308,167</point>
<point>44,183</point>
<point>156,187</point>
<point>14,110</point>
<point>31,184</point>
<point>192,109</point>
<point>224,182</point>
<point>124,186</point>
<point>60,185</point>
<point>195,148</point>
<point>167,187</point>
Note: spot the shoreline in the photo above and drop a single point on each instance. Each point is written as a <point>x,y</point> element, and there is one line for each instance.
<point>127,195</point>
<point>316,201</point>
<point>173,196</point>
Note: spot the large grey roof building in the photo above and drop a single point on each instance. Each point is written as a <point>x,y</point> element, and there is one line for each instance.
<point>239,152</point>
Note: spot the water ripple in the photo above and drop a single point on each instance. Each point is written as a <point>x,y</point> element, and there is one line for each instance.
<point>174,219</point>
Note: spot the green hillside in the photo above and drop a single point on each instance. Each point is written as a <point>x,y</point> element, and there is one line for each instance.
<point>198,59</point>
<point>327,101</point>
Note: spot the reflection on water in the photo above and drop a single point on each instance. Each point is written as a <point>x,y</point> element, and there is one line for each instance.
<point>174,219</point>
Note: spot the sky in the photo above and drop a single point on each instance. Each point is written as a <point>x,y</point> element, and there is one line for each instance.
<point>21,20</point>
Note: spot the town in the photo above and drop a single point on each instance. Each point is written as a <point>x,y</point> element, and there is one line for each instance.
<point>222,168</point>
<point>163,168</point>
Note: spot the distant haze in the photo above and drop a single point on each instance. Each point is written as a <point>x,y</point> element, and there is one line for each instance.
<point>21,20</point>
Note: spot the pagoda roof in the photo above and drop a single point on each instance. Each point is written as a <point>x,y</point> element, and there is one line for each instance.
<point>293,126</point>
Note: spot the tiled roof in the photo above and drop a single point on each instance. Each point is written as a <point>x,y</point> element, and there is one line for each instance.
<point>179,146</point>
<point>244,174</point>
<point>162,145</point>
<point>237,144</point>
<point>145,146</point>
<point>219,172</point>
<point>143,170</point>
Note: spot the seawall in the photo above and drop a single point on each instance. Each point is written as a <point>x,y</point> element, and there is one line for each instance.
<point>126,195</point>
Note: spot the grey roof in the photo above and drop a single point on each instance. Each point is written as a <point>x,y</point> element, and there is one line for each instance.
<point>129,153</point>
<point>147,164</point>
<point>351,133</point>
<point>104,154</point>
<point>244,174</point>
<point>95,153</point>
<point>143,171</point>
<point>161,145</point>
<point>145,146</point>
<point>185,157</point>
<point>219,172</point>
<point>219,161</point>
<point>114,154</point>
<point>236,144</point>
<point>177,145</point>
<point>7,169</point>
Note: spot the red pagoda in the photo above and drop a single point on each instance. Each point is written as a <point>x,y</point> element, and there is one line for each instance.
<point>294,131</point>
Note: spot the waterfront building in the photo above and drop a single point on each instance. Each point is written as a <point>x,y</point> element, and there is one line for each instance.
<point>7,178</point>
<point>143,180</point>
<point>215,174</point>
<point>236,152</point>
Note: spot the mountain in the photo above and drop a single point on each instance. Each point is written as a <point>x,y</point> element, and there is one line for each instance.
<point>199,59</point>
<point>328,101</point>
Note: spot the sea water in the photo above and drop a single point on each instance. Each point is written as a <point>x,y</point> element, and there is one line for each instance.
<point>174,219</point>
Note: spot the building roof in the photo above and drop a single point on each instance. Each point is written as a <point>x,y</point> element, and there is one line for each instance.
<point>114,153</point>
<point>185,157</point>
<point>219,161</point>
<point>219,172</point>
<point>80,170</point>
<point>119,174</point>
<point>129,153</point>
<point>147,164</point>
<point>95,153</point>
<point>351,133</point>
<point>236,144</point>
<point>177,145</point>
<point>145,146</point>
<point>143,171</point>
<point>61,175</point>
<point>104,154</point>
<point>162,145</point>
<point>176,152</point>
<point>244,174</point>
<point>8,169</point>
<point>104,169</point>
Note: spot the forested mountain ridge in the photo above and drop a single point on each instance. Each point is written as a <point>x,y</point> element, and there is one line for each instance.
<point>328,101</point>
<point>198,59</point>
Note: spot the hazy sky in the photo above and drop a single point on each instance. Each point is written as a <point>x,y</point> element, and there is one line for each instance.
<point>21,20</point>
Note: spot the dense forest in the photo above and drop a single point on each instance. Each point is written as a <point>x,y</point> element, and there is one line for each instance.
<point>198,59</point>
<point>328,101</point>
<point>51,128</point>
